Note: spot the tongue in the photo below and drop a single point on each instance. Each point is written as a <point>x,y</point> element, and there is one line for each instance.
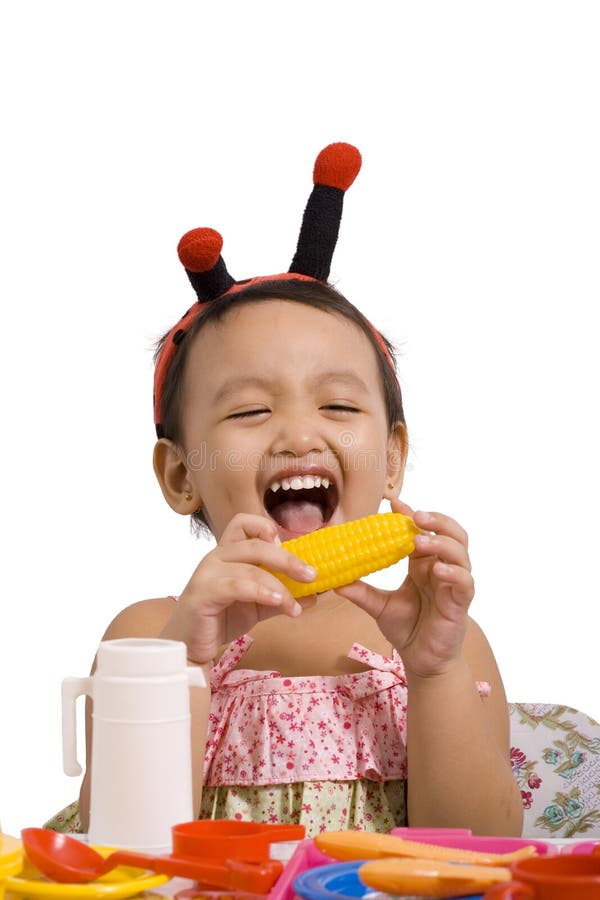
<point>299,515</point>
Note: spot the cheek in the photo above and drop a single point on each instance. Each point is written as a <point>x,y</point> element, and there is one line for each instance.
<point>230,476</point>
<point>369,437</point>
<point>370,458</point>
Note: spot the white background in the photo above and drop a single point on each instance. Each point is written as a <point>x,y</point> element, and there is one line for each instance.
<point>470,237</point>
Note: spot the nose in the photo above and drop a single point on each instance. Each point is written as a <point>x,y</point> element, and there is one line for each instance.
<point>297,434</point>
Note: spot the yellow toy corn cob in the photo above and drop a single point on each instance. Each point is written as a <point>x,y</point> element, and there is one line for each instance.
<point>343,553</point>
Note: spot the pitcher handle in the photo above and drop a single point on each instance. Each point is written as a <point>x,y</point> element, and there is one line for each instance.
<point>72,688</point>
<point>196,677</point>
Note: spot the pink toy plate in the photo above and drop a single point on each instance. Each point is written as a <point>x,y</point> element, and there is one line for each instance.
<point>464,840</point>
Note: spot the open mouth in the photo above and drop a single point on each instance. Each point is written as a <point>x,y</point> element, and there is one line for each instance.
<point>301,503</point>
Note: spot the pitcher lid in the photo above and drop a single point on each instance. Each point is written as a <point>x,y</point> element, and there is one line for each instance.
<point>141,656</point>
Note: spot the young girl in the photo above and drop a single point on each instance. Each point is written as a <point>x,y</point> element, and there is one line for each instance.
<point>278,412</point>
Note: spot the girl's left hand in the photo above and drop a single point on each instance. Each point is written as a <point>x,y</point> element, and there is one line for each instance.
<point>426,618</point>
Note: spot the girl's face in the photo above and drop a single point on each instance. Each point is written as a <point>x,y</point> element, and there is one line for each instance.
<point>283,416</point>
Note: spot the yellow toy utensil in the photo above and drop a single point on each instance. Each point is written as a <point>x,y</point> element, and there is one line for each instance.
<point>347,845</point>
<point>11,859</point>
<point>429,878</point>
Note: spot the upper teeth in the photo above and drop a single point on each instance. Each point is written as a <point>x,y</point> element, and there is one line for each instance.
<point>298,483</point>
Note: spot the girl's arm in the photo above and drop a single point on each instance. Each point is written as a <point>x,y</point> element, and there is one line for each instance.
<point>459,773</point>
<point>459,770</point>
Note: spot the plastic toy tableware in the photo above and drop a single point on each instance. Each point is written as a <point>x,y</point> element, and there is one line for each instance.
<point>117,885</point>
<point>430,835</point>
<point>343,881</point>
<point>568,877</point>
<point>430,877</point>
<point>583,847</point>
<point>466,840</point>
<point>69,861</point>
<point>11,859</point>
<point>338,881</point>
<point>11,853</point>
<point>306,856</point>
<point>141,693</point>
<point>206,893</point>
<point>221,839</point>
<point>347,845</point>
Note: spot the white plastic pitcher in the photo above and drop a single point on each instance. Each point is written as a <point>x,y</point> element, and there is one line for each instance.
<point>141,779</point>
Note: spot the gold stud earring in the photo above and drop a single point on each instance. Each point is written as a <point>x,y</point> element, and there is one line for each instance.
<point>390,485</point>
<point>188,496</point>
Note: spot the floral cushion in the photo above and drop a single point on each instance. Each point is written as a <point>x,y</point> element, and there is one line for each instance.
<point>555,755</point>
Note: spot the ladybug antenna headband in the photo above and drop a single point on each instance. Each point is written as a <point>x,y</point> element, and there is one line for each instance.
<point>199,250</point>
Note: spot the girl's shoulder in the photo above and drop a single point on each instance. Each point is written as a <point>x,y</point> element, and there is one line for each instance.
<point>146,618</point>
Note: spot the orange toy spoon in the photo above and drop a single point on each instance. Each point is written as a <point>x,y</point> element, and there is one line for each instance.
<point>349,845</point>
<point>67,860</point>
<point>429,878</point>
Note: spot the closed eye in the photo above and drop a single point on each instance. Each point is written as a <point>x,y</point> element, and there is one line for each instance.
<point>247,413</point>
<point>341,407</point>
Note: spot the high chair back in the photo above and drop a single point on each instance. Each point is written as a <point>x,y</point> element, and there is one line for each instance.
<point>555,755</point>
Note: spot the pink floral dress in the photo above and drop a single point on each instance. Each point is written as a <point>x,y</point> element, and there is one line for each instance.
<point>328,752</point>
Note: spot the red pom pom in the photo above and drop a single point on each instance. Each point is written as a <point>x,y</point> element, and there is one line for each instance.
<point>337,166</point>
<point>200,249</point>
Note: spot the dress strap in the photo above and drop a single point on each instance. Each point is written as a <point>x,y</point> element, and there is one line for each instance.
<point>377,661</point>
<point>229,660</point>
<point>395,665</point>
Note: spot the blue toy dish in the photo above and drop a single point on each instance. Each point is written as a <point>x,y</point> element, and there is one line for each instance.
<point>339,881</point>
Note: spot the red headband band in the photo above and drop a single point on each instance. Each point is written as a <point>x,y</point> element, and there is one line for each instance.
<point>199,250</point>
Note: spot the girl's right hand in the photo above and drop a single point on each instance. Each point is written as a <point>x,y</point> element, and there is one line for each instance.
<point>229,593</point>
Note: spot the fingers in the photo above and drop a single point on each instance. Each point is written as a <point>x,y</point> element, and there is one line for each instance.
<point>259,552</point>
<point>453,539</point>
<point>441,525</point>
<point>441,537</point>
<point>458,579</point>
<point>234,587</point>
<point>444,548</point>
<point>399,506</point>
<point>252,553</point>
<point>244,525</point>
<point>371,599</point>
<point>446,541</point>
<point>247,584</point>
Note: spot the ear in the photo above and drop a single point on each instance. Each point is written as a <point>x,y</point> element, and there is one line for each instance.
<point>397,452</point>
<point>172,473</point>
